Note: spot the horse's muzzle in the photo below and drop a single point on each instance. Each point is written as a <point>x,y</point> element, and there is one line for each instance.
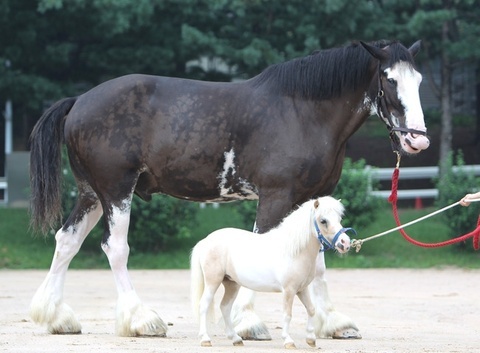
<point>343,245</point>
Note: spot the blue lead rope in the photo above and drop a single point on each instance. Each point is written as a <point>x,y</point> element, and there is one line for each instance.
<point>326,244</point>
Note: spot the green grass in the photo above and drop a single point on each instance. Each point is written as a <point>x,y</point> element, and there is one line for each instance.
<point>20,250</point>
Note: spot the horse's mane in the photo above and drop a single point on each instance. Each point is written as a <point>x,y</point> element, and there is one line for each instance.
<point>297,228</point>
<point>326,74</point>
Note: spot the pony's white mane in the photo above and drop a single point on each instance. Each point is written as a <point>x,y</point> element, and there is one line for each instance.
<point>297,228</point>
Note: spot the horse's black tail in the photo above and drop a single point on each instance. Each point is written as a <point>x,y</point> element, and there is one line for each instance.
<point>46,166</point>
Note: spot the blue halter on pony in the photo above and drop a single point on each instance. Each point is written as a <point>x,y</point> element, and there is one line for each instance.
<point>324,241</point>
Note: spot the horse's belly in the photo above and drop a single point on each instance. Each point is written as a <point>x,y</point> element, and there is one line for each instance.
<point>197,179</point>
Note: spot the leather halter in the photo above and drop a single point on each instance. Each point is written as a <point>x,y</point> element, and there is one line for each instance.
<point>383,113</point>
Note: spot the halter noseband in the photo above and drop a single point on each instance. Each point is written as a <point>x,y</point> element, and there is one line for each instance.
<point>382,111</point>
<point>324,241</point>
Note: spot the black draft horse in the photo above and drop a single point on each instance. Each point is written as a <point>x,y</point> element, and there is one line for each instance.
<point>279,137</point>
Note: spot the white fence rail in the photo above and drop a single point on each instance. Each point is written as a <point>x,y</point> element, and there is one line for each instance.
<point>380,174</point>
<point>415,173</point>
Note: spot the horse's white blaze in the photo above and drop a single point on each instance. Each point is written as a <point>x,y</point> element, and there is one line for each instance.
<point>408,83</point>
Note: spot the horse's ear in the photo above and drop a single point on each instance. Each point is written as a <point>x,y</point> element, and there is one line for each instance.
<point>339,200</point>
<point>376,52</point>
<point>316,203</point>
<point>415,48</point>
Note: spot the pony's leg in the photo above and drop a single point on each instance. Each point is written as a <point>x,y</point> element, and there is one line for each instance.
<point>211,286</point>
<point>304,297</point>
<point>288,297</point>
<point>231,291</point>
<point>328,322</point>
<point>47,306</point>
<point>133,318</point>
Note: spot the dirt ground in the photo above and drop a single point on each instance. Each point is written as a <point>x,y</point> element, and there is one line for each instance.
<point>434,310</point>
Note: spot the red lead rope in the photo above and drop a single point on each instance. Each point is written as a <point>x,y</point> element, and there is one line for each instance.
<point>475,234</point>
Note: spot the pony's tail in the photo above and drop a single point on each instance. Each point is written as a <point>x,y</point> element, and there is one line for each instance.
<point>46,166</point>
<point>197,283</point>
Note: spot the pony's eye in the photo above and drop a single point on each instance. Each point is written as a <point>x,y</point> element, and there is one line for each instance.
<point>323,221</point>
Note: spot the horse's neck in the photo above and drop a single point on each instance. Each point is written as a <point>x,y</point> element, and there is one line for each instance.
<point>351,109</point>
<point>346,114</point>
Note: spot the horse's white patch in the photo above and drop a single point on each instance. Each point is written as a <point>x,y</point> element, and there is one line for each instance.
<point>368,105</point>
<point>246,190</point>
<point>228,168</point>
<point>249,191</point>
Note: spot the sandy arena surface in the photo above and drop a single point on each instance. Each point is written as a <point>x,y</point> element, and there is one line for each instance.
<point>434,310</point>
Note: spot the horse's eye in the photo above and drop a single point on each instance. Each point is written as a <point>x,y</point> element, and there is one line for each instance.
<point>323,221</point>
<point>392,81</point>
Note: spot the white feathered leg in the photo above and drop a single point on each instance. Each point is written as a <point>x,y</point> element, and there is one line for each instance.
<point>133,318</point>
<point>47,306</point>
<point>328,322</point>
<point>248,324</point>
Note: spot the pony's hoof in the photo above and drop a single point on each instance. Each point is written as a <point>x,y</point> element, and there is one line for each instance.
<point>290,345</point>
<point>238,343</point>
<point>206,343</point>
<point>311,343</point>
<point>350,333</point>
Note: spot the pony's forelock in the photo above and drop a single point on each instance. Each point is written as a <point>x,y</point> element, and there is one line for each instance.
<point>329,203</point>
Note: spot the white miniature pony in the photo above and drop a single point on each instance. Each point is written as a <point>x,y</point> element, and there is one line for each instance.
<point>281,260</point>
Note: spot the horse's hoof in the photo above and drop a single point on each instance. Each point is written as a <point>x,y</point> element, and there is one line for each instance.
<point>290,345</point>
<point>238,343</point>
<point>68,332</point>
<point>65,328</point>
<point>311,343</point>
<point>347,334</point>
<point>251,328</point>
<point>258,333</point>
<point>206,343</point>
